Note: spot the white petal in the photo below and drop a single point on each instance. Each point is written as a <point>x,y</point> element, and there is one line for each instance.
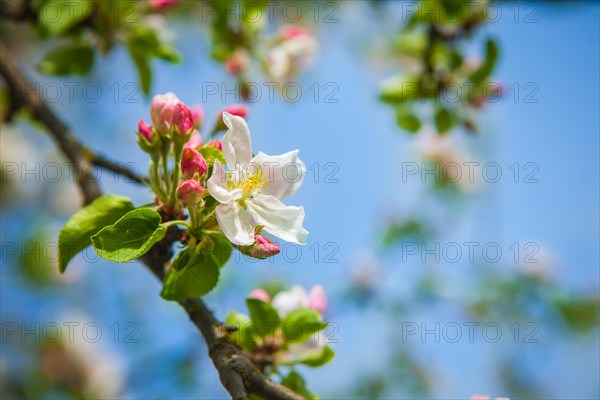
<point>286,302</point>
<point>279,63</point>
<point>236,223</point>
<point>285,173</point>
<point>237,148</point>
<point>278,219</point>
<point>217,185</point>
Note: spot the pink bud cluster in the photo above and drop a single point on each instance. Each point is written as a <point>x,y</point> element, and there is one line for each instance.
<point>168,112</point>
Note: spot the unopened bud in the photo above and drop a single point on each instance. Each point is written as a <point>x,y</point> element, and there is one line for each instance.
<point>262,248</point>
<point>183,120</point>
<point>260,294</point>
<point>216,143</point>
<point>237,63</point>
<point>192,163</point>
<point>190,193</point>
<point>145,130</point>
<point>162,110</point>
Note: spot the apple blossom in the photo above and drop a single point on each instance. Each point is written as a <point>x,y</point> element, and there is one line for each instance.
<point>250,194</point>
<point>190,193</point>
<point>192,164</point>
<point>296,297</point>
<point>294,52</point>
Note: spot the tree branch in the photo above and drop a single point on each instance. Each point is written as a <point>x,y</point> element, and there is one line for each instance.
<point>237,373</point>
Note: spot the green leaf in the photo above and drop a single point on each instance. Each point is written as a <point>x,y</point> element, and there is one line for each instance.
<point>130,237</point>
<point>70,59</point>
<point>301,324</point>
<point>196,279</point>
<point>264,316</point>
<point>58,16</point>
<point>443,120</point>
<point>407,120</point>
<point>401,88</point>
<point>317,357</point>
<point>295,382</point>
<point>141,60</point>
<point>217,247</point>
<point>246,334</point>
<point>486,68</point>
<point>184,258</point>
<point>76,233</point>
<point>211,154</point>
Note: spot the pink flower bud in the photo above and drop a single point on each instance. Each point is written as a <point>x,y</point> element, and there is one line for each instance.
<point>292,31</point>
<point>197,115</point>
<point>237,63</point>
<point>194,141</point>
<point>161,4</point>
<point>183,119</point>
<point>190,193</point>
<point>263,248</point>
<point>260,294</point>
<point>162,109</point>
<point>216,143</point>
<point>317,299</point>
<point>478,397</point>
<point>239,110</point>
<point>192,163</point>
<point>145,130</point>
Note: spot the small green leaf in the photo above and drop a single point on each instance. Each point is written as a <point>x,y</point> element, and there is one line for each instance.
<point>486,68</point>
<point>141,60</point>
<point>401,88</point>
<point>76,233</point>
<point>301,324</point>
<point>58,16</point>
<point>407,120</point>
<point>194,280</point>
<point>295,382</point>
<point>264,316</point>
<point>70,59</point>
<point>130,237</point>
<point>443,120</point>
<point>211,154</point>
<point>317,357</point>
<point>246,334</point>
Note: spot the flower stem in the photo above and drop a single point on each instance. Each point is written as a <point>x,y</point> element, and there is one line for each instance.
<point>175,222</point>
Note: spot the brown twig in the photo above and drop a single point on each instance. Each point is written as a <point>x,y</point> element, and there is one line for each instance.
<point>237,373</point>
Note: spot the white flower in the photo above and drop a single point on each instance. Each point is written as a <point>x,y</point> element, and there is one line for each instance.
<point>293,299</point>
<point>251,188</point>
<point>291,55</point>
<point>296,297</point>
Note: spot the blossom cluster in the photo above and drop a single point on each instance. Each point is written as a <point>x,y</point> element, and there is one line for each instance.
<point>221,184</point>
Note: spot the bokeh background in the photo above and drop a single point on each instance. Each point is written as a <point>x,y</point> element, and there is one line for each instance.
<point>362,214</point>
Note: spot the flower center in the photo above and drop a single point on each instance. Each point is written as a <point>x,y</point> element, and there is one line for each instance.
<point>252,184</point>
